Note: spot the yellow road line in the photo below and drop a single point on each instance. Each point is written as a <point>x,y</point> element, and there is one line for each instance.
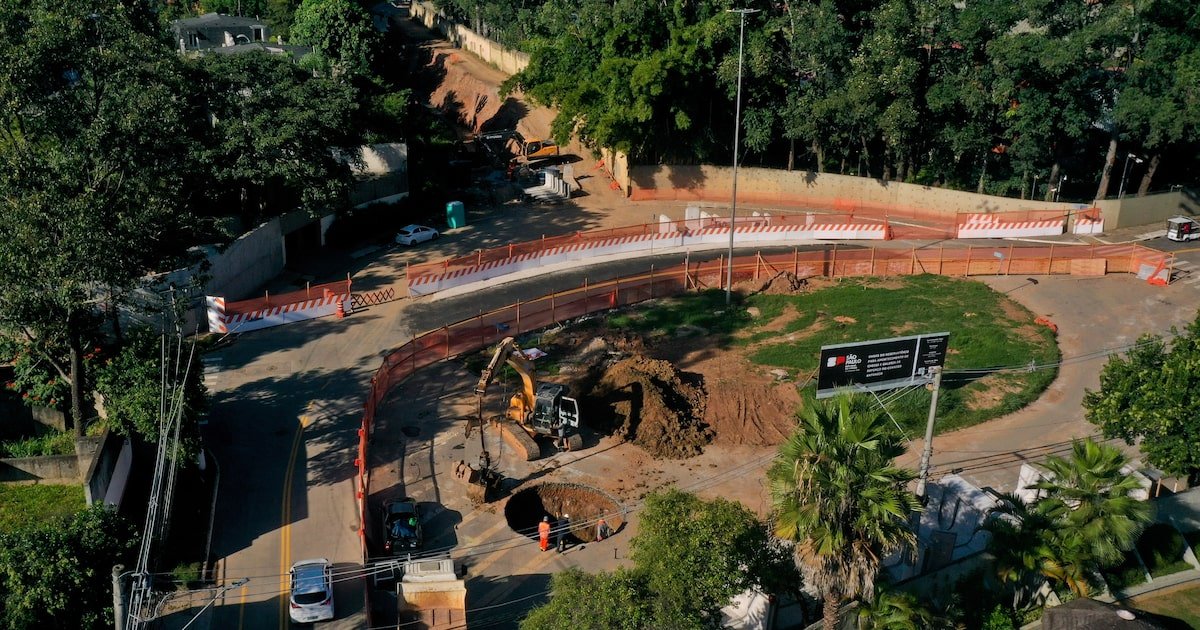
<point>285,530</point>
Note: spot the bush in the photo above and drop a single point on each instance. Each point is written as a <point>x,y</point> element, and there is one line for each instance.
<point>1126,574</point>
<point>999,619</point>
<point>58,443</point>
<point>1161,547</point>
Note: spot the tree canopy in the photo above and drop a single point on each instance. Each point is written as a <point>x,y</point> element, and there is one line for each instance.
<point>57,574</point>
<point>1147,397</point>
<point>691,557</point>
<point>340,33</point>
<point>993,95</point>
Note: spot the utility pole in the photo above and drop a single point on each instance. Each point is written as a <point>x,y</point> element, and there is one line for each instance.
<point>927,454</point>
<point>737,127</point>
<point>119,598</point>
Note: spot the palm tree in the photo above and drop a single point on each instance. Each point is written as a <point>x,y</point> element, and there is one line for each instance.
<point>1092,495</point>
<point>1025,545</point>
<point>1085,522</point>
<point>894,610</point>
<point>837,496</point>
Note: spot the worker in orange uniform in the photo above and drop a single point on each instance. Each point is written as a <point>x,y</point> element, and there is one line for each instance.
<point>544,533</point>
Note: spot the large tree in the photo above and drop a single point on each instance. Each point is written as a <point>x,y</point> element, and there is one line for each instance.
<point>340,33</point>
<point>57,574</point>
<point>93,148</point>
<point>840,500</point>
<point>690,556</point>
<point>1147,397</point>
<point>276,134</point>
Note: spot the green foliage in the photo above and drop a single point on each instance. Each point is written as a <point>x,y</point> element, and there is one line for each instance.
<point>1085,521</point>
<point>23,505</point>
<point>35,378</point>
<point>691,557</point>
<point>894,610</point>
<point>56,574</point>
<point>246,8</point>
<point>617,600</point>
<point>93,151</point>
<point>999,619</point>
<point>56,443</point>
<point>980,95</point>
<point>837,496</point>
<point>1161,548</point>
<point>697,555</point>
<point>277,130</point>
<point>1147,397</point>
<point>131,383</point>
<point>340,33</point>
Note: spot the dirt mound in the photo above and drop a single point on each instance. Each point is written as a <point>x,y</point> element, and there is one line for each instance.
<point>655,406</point>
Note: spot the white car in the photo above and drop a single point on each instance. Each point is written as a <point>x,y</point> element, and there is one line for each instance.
<point>413,234</point>
<point>312,591</point>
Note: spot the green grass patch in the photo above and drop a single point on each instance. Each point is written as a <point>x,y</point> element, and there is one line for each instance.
<point>987,330</point>
<point>58,443</point>
<point>1182,604</point>
<point>1161,547</point>
<point>22,504</point>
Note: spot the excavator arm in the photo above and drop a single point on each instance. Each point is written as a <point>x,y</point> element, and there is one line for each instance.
<point>508,351</point>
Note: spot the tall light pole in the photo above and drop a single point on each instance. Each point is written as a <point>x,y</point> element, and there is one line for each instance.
<point>1058,190</point>
<point>1125,173</point>
<point>737,127</point>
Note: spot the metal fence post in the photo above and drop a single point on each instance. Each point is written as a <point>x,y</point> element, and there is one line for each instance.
<point>1050,265</point>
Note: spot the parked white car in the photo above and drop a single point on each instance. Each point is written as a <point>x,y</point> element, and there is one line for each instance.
<point>312,591</point>
<point>413,234</point>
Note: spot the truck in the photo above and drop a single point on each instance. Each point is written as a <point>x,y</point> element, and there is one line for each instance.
<point>1182,229</point>
<point>431,596</point>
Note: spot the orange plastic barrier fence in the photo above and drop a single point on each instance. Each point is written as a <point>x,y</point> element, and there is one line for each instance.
<point>512,320</point>
<point>312,292</point>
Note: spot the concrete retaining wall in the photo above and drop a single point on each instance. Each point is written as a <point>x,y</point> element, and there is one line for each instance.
<point>21,420</point>
<point>49,469</point>
<point>1119,213</point>
<point>771,187</point>
<point>248,263</point>
<point>108,474</point>
<point>509,61</point>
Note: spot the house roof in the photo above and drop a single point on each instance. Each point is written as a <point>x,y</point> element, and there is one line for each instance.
<point>277,49</point>
<point>1089,614</point>
<point>216,20</point>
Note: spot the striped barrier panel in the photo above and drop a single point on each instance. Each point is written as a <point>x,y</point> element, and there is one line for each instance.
<point>1086,225</point>
<point>221,321</point>
<point>990,226</point>
<point>713,236</point>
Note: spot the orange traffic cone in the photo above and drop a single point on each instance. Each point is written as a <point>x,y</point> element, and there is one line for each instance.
<point>341,310</point>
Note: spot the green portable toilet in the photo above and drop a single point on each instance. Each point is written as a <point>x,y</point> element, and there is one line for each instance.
<point>456,214</point>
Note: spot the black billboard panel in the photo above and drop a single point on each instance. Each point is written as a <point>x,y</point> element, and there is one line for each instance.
<point>880,364</point>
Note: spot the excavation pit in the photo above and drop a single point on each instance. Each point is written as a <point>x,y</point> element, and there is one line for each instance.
<point>585,505</point>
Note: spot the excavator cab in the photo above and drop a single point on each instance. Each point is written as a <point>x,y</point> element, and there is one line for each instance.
<point>551,408</point>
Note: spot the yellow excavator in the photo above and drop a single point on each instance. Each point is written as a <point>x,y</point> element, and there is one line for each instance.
<point>536,409</point>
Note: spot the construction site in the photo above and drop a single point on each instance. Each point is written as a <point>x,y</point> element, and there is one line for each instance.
<point>574,406</point>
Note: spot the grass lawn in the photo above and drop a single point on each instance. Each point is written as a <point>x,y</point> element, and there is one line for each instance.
<point>1182,603</point>
<point>987,329</point>
<point>22,504</point>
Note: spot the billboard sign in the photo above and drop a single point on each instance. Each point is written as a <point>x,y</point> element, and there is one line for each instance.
<point>880,364</point>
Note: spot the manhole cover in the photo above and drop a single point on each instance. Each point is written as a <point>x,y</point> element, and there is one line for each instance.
<point>585,506</point>
<point>411,431</point>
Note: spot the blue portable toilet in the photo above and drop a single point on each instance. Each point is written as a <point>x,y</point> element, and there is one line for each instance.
<point>456,214</point>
